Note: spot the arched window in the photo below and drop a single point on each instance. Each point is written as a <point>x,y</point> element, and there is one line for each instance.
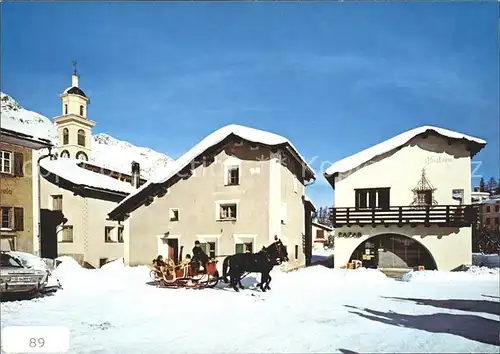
<point>65,153</point>
<point>81,137</point>
<point>65,136</point>
<point>82,156</point>
<point>81,111</point>
<point>65,109</point>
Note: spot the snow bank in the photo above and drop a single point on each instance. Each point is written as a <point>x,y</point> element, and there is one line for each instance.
<point>486,260</point>
<point>113,266</point>
<point>73,276</point>
<point>323,252</point>
<point>366,155</point>
<point>322,275</point>
<point>472,274</point>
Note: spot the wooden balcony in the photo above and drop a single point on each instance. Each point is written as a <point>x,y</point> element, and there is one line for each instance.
<point>440,215</point>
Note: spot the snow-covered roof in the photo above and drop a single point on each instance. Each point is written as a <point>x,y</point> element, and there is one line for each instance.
<point>247,133</point>
<point>315,222</point>
<point>69,170</point>
<point>364,156</point>
<point>307,199</point>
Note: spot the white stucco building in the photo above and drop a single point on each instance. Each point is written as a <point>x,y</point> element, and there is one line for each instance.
<point>406,202</point>
<point>233,191</point>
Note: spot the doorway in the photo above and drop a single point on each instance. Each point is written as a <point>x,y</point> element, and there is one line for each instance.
<point>173,249</point>
<point>393,251</point>
<point>169,248</point>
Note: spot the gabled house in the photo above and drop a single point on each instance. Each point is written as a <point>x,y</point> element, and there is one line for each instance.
<point>233,192</point>
<point>74,205</point>
<point>18,210</point>
<point>406,202</point>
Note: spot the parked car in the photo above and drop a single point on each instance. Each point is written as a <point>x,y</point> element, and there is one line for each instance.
<point>18,276</point>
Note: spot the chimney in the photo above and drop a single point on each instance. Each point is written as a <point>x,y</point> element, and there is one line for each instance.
<point>136,174</point>
<point>74,80</point>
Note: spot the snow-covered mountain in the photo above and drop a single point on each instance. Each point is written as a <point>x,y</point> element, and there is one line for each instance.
<point>106,151</point>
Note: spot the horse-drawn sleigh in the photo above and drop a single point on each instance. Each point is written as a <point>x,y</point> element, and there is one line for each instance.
<point>236,266</point>
<point>185,275</point>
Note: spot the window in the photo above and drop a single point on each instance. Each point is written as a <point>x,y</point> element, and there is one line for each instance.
<point>82,156</point>
<point>120,234</point>
<point>57,202</point>
<point>12,218</point>
<point>227,212</point>
<point>373,198</point>
<point>65,109</point>
<point>67,234</point>
<point>488,209</point>
<point>81,111</point>
<point>487,221</point>
<point>81,137</point>
<point>65,136</point>
<point>424,197</point>
<point>497,208</point>
<point>6,218</point>
<point>296,251</point>
<point>209,248</point>
<point>5,161</point>
<point>108,233</point>
<point>320,233</point>
<point>65,154</point>
<point>233,176</point>
<point>496,221</point>
<point>102,261</point>
<point>174,214</point>
<point>244,247</point>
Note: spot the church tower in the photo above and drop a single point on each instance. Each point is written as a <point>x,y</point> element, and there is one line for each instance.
<point>73,127</point>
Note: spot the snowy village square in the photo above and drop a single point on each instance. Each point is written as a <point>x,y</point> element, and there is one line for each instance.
<point>249,177</point>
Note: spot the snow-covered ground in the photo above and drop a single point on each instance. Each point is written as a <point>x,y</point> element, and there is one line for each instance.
<point>113,310</point>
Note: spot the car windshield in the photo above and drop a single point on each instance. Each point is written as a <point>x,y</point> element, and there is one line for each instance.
<point>8,261</point>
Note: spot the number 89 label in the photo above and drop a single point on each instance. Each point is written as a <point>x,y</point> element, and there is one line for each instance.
<point>35,339</point>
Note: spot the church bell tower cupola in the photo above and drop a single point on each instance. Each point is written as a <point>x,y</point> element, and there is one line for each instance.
<point>73,126</point>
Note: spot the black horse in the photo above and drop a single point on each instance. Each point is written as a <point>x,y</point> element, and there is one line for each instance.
<point>261,262</point>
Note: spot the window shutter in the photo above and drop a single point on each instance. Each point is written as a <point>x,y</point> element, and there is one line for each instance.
<point>18,164</point>
<point>239,248</point>
<point>18,219</point>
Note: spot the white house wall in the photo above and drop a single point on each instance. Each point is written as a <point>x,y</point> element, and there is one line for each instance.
<point>259,198</point>
<point>88,218</point>
<point>447,167</point>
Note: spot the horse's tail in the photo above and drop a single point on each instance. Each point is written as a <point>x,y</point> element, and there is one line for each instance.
<point>225,267</point>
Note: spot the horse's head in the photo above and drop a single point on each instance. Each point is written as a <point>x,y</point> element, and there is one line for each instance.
<point>276,252</point>
<point>282,251</point>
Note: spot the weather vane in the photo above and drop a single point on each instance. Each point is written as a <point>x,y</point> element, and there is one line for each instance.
<point>74,66</point>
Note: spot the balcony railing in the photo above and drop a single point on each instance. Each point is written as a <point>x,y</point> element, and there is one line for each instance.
<point>441,215</point>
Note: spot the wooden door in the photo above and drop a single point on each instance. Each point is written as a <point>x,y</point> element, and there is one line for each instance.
<point>173,249</point>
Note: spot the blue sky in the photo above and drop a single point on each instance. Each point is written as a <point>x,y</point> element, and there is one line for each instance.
<point>335,78</point>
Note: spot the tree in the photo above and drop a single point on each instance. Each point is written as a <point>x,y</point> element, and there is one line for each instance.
<point>491,185</point>
<point>323,216</point>
<point>481,185</point>
<point>484,240</point>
